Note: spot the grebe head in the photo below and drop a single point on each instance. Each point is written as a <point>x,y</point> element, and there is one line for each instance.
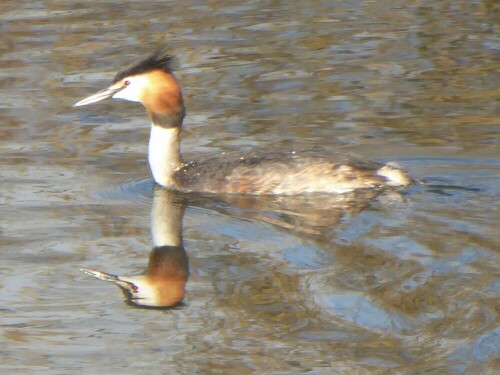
<point>150,82</point>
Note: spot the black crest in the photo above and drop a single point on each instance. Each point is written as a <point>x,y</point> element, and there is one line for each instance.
<point>158,60</point>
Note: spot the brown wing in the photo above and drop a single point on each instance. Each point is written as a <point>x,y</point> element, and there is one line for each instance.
<point>291,173</point>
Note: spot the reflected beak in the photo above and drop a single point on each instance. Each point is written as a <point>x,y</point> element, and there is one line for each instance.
<point>97,97</point>
<point>114,279</point>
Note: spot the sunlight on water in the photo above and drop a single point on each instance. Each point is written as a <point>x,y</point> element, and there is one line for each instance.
<point>394,284</point>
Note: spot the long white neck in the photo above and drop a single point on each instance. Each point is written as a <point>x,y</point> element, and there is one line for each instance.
<point>164,154</point>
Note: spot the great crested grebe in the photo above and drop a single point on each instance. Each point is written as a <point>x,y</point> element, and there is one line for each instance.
<point>151,82</point>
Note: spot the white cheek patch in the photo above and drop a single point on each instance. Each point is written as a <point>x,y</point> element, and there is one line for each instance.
<point>127,94</point>
<point>134,90</point>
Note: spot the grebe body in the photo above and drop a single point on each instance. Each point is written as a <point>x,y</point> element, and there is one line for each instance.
<point>283,173</point>
<point>151,82</point>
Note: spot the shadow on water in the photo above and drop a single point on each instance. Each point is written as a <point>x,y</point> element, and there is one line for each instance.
<point>434,187</point>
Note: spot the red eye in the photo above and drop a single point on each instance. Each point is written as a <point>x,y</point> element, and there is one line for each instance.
<point>126,83</point>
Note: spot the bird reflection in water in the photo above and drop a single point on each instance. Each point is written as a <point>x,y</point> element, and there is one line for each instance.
<point>163,282</point>
<point>308,214</point>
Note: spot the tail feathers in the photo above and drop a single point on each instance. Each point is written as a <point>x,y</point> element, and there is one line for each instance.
<point>394,174</point>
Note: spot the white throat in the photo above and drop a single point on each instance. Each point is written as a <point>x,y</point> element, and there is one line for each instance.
<point>164,154</point>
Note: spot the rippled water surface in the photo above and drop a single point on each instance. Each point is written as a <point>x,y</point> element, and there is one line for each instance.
<point>403,285</point>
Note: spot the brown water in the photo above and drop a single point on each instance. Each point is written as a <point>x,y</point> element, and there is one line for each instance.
<point>403,286</point>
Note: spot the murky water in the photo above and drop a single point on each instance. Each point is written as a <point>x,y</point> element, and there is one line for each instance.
<point>401,286</point>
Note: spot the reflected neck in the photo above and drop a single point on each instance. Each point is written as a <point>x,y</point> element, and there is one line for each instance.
<point>164,153</point>
<point>166,219</point>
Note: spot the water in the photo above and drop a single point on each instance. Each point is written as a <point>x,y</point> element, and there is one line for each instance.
<point>403,285</point>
